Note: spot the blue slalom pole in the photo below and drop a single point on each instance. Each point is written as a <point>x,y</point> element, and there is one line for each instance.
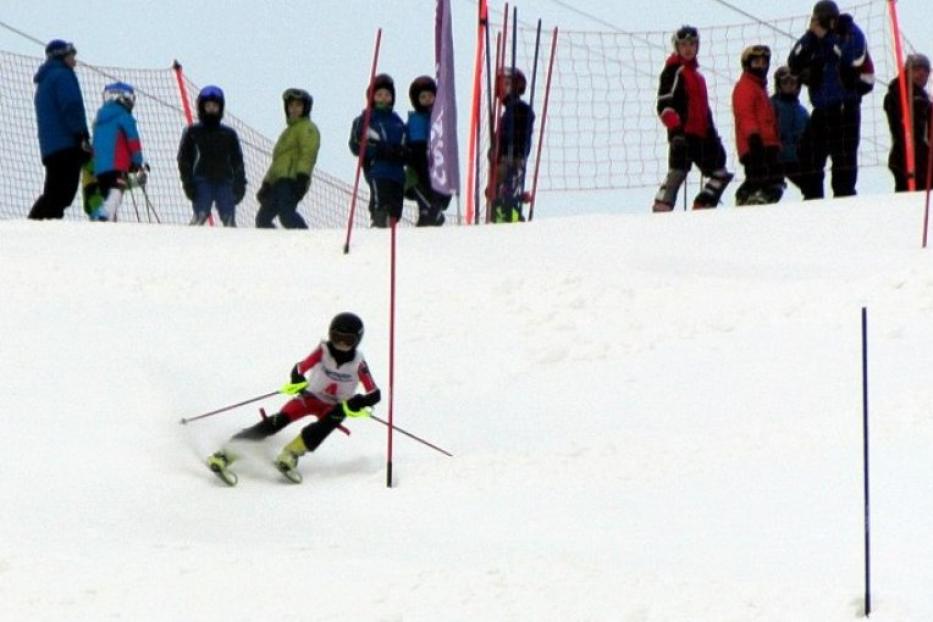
<point>865,460</point>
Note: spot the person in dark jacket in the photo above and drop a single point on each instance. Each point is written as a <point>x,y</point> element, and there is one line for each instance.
<point>756,131</point>
<point>832,59</point>
<point>792,119</point>
<point>210,161</point>
<point>683,107</point>
<point>386,153</point>
<point>512,145</point>
<point>431,204</point>
<point>917,69</point>
<point>64,141</point>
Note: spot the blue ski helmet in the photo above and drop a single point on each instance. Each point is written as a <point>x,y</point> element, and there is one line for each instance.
<point>58,48</point>
<point>210,93</point>
<point>122,93</point>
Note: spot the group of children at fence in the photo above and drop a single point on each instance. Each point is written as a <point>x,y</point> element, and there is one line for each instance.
<point>211,168</point>
<point>776,138</point>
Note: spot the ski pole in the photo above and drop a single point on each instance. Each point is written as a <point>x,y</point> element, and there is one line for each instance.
<point>135,207</point>
<point>412,436</point>
<point>185,420</point>
<point>150,206</point>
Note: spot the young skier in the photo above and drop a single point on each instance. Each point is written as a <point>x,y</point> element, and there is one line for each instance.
<point>513,144</point>
<point>756,131</point>
<point>210,161</point>
<point>792,120</point>
<point>431,204</point>
<point>386,153</point>
<point>324,385</point>
<point>117,149</point>
<point>683,106</point>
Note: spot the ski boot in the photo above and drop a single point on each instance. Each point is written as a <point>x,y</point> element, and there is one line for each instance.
<point>219,462</point>
<point>287,461</point>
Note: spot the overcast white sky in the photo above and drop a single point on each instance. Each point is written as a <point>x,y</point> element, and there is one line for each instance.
<point>254,49</point>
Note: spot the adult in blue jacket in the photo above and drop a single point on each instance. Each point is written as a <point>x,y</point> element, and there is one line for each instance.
<point>63,136</point>
<point>832,59</point>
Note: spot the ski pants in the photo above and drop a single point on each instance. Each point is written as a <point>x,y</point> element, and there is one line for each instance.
<point>386,197</point>
<point>209,193</point>
<point>280,200</point>
<point>833,132</point>
<point>62,176</point>
<point>329,418</point>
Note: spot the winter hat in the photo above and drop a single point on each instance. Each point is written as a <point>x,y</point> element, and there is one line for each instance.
<point>418,86</point>
<point>519,82</point>
<point>383,81</point>
<point>58,48</point>
<point>825,11</point>
<point>756,51</point>
<point>917,61</point>
<point>210,93</point>
<point>685,33</point>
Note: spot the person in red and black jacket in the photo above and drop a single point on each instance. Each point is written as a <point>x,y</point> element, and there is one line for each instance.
<point>683,106</point>
<point>756,131</point>
<point>917,68</point>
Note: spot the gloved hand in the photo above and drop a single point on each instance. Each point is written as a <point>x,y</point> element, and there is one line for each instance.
<point>302,183</point>
<point>142,173</point>
<point>188,187</point>
<point>87,151</point>
<point>297,376</point>
<point>362,411</point>
<point>755,144</point>
<point>359,401</point>
<point>670,119</point>
<point>264,192</point>
<point>293,388</point>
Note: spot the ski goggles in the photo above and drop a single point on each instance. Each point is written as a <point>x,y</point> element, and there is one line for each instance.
<point>344,341</point>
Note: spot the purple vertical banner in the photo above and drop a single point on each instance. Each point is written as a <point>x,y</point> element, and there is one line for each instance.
<point>443,154</point>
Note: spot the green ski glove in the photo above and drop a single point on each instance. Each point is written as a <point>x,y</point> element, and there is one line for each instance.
<point>365,411</point>
<point>293,388</point>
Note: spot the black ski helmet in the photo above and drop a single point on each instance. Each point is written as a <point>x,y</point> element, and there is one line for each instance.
<point>210,93</point>
<point>418,86</point>
<point>519,82</point>
<point>301,95</point>
<point>382,81</point>
<point>346,328</point>
<point>685,33</point>
<point>755,51</point>
<point>825,11</point>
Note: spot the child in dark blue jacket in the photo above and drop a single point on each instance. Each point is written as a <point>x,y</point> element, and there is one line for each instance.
<point>386,153</point>
<point>513,144</point>
<point>431,204</point>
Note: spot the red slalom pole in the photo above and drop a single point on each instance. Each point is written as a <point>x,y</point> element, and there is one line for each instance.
<point>906,106</point>
<point>929,178</point>
<point>363,140</point>
<point>391,421</point>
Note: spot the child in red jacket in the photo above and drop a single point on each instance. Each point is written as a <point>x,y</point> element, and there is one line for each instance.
<point>756,131</point>
<point>683,107</point>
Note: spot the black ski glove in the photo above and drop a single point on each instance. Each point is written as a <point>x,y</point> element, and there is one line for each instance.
<point>188,187</point>
<point>359,401</point>
<point>755,144</point>
<point>297,376</point>
<point>264,191</point>
<point>302,183</point>
<point>239,191</point>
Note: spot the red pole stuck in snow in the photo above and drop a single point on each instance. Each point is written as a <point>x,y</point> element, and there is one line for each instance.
<point>363,140</point>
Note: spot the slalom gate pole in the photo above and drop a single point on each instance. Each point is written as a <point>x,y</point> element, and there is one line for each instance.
<point>865,470</point>
<point>905,101</point>
<point>129,191</point>
<point>929,180</point>
<point>547,98</point>
<point>412,436</point>
<point>363,140</point>
<point>391,354</point>
<point>186,420</point>
<point>473,144</point>
<point>531,105</point>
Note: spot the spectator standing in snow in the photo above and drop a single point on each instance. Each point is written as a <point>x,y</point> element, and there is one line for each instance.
<point>431,204</point>
<point>917,68</point>
<point>512,146</point>
<point>210,161</point>
<point>293,159</point>
<point>117,148</point>
<point>386,152</point>
<point>832,59</point>
<point>64,142</point>
<point>756,131</point>
<point>792,120</point>
<point>683,106</point>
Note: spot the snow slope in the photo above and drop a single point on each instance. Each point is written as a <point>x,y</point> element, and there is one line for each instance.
<point>653,418</point>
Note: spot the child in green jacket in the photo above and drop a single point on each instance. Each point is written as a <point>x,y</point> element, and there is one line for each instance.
<point>293,159</point>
